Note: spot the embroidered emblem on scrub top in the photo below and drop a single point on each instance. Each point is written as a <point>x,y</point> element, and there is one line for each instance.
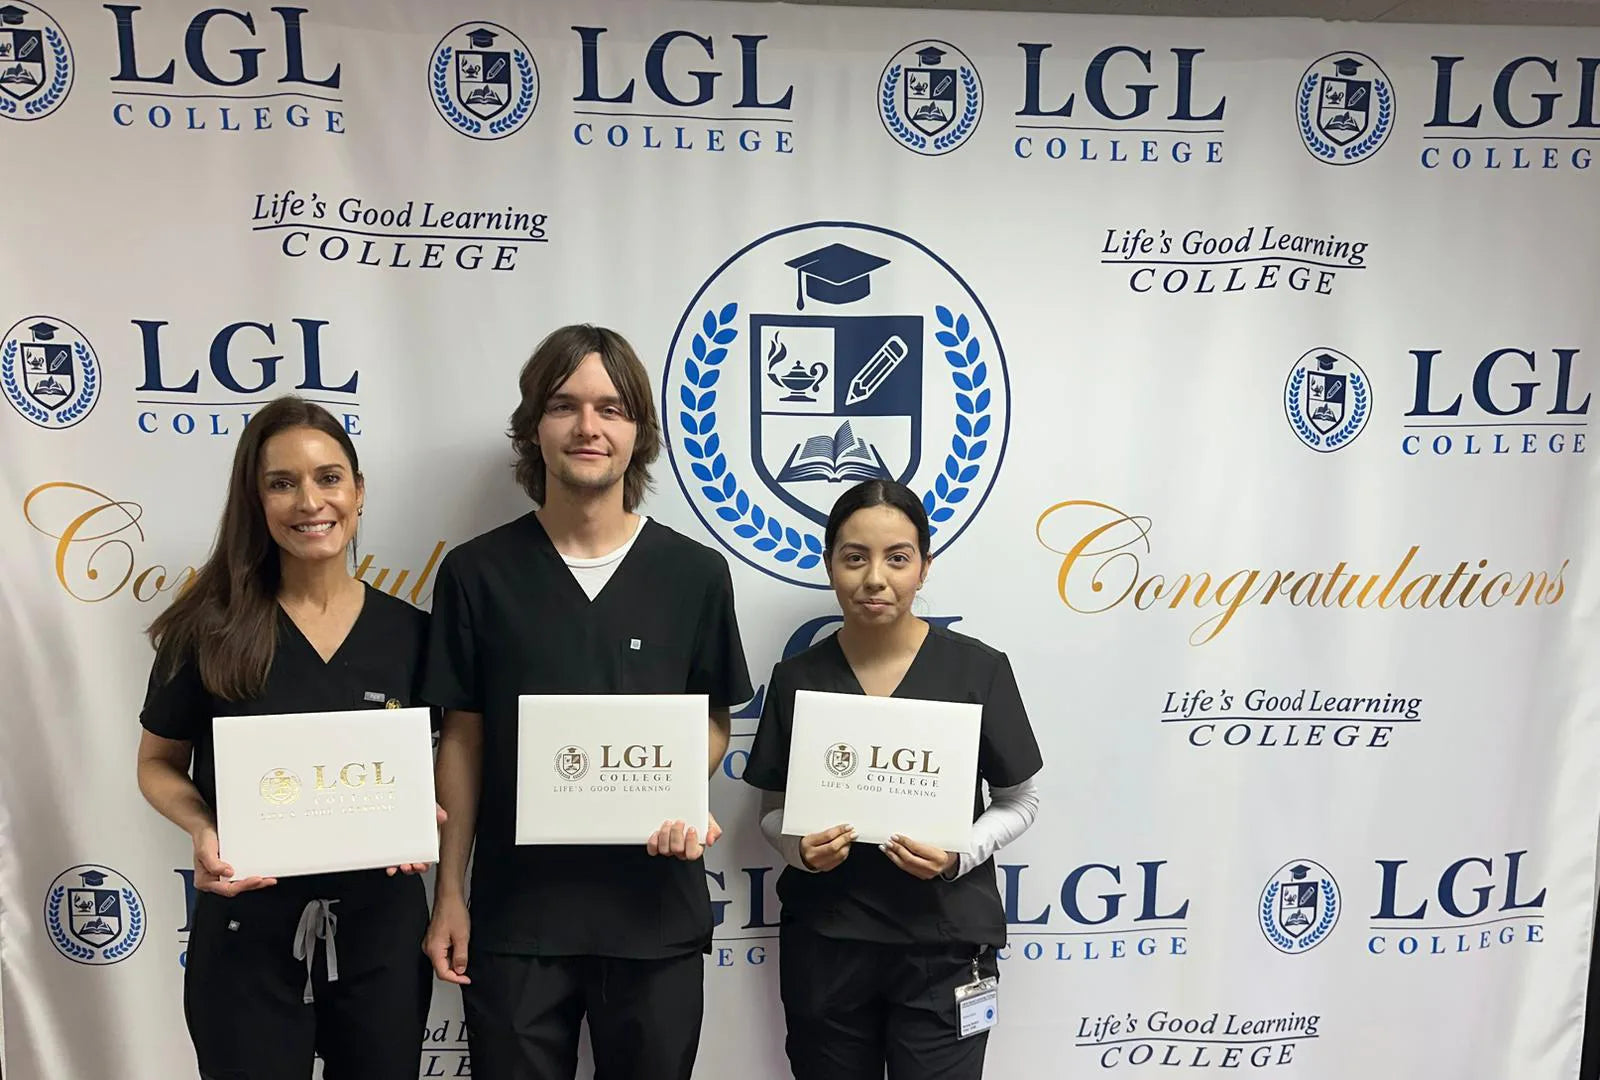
<point>392,703</point>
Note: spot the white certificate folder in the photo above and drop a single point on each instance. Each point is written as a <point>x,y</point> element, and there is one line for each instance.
<point>307,793</point>
<point>888,766</point>
<point>610,768</point>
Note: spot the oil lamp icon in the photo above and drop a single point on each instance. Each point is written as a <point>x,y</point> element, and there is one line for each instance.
<point>800,381</point>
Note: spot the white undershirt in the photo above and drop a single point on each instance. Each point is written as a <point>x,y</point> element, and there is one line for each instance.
<point>1011,810</point>
<point>592,574</point>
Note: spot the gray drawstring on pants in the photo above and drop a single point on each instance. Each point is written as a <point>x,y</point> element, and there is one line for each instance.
<point>316,921</point>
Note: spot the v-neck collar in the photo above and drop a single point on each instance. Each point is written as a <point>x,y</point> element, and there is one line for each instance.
<point>294,628</point>
<point>546,546</point>
<point>905,678</point>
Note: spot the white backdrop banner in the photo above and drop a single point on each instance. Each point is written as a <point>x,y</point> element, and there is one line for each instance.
<point>1246,367</point>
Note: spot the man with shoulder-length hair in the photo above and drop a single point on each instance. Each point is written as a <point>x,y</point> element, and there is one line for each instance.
<point>582,595</point>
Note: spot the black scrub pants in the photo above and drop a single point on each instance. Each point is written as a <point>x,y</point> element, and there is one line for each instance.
<point>523,1014</point>
<point>243,988</point>
<point>853,1007</point>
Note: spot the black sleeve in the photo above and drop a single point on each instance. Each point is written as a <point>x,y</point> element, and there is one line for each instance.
<point>718,667</point>
<point>450,678</point>
<point>1008,754</point>
<point>768,767</point>
<point>179,707</point>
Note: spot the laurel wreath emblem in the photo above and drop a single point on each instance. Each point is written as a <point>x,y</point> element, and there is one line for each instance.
<point>1357,150</point>
<point>915,139</point>
<point>973,420</point>
<point>465,121</point>
<point>66,415</point>
<point>1359,401</point>
<point>124,945</point>
<point>1269,922</point>
<point>60,80</point>
<point>442,98</point>
<point>697,398</point>
<point>58,83</point>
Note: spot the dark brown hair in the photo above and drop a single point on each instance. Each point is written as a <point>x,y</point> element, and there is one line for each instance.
<point>552,364</point>
<point>226,617</point>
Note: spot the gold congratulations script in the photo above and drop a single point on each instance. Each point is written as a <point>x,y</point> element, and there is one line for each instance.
<point>96,556</point>
<point>1103,569</point>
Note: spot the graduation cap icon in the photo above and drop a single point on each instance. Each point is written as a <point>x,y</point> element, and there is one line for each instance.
<point>1299,871</point>
<point>43,331</point>
<point>481,39</point>
<point>836,274</point>
<point>11,15</point>
<point>93,878</point>
<point>929,56</point>
<point>1346,66</point>
<point>1326,362</point>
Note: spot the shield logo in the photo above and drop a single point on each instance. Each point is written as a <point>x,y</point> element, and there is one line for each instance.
<point>930,102</point>
<point>47,373</point>
<point>96,915</point>
<point>836,399</point>
<point>1297,906</point>
<point>483,82</point>
<point>571,763</point>
<point>22,71</point>
<point>841,759</point>
<point>1325,399</point>
<point>1344,106</point>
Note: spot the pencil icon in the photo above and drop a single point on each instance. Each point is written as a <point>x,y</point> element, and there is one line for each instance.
<point>944,84</point>
<point>497,68</point>
<point>876,371</point>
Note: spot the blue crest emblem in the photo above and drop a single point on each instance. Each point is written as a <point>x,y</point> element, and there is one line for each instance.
<point>483,80</point>
<point>930,97</point>
<point>94,915</point>
<point>820,356</point>
<point>1327,399</point>
<point>1345,108</point>
<point>35,62</point>
<point>49,371</point>
<point>1299,907</point>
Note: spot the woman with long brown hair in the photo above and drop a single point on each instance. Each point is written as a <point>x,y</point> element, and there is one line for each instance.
<point>280,971</point>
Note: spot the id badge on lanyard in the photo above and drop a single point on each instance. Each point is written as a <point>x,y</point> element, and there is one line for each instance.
<point>977,1004</point>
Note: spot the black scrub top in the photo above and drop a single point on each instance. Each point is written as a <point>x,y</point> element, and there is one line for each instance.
<point>509,618</point>
<point>379,662</point>
<point>867,897</point>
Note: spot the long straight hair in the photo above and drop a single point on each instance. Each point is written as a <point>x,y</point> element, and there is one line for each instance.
<point>227,616</point>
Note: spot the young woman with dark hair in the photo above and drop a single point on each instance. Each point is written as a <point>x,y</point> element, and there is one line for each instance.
<point>875,941</point>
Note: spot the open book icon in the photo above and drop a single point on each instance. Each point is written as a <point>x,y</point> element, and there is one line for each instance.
<point>843,456</point>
